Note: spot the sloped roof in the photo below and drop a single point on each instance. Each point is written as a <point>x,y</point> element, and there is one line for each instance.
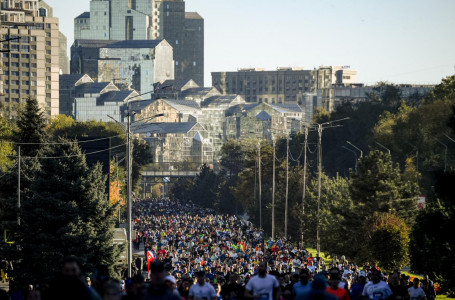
<point>263,116</point>
<point>69,79</point>
<point>290,107</point>
<point>92,88</point>
<point>84,15</point>
<point>140,105</point>
<point>200,91</point>
<point>219,100</point>
<point>182,104</point>
<point>163,128</point>
<point>129,44</point>
<point>198,137</point>
<point>113,96</point>
<point>239,108</point>
<point>192,15</point>
<point>174,85</point>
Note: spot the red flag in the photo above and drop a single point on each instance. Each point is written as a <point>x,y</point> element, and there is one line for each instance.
<point>150,259</point>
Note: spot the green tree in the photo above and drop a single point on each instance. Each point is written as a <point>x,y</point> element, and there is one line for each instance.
<point>180,189</point>
<point>388,241</point>
<point>66,213</point>
<point>337,214</point>
<point>142,156</point>
<point>432,243</point>
<point>30,128</point>
<point>6,147</point>
<point>379,187</point>
<point>205,188</point>
<point>232,163</point>
<point>232,158</point>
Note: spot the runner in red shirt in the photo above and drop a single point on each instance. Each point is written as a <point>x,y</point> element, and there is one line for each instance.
<point>333,288</point>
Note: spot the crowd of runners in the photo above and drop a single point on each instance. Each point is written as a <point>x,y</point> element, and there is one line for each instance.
<point>231,255</point>
<point>196,254</point>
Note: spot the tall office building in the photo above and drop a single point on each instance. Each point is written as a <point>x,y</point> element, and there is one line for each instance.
<point>147,20</point>
<point>31,68</point>
<point>185,32</point>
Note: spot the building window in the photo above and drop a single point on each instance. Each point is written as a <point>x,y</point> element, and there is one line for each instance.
<point>176,62</point>
<point>176,42</point>
<point>194,63</point>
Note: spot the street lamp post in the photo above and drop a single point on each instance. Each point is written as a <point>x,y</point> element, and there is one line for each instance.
<point>361,152</point>
<point>273,190</point>
<point>129,181</point>
<point>260,185</point>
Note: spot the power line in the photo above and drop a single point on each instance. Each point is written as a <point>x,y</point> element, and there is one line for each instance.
<point>68,142</point>
<point>7,171</point>
<point>68,156</point>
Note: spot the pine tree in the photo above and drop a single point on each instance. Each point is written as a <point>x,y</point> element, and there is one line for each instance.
<point>67,213</point>
<point>379,187</point>
<point>31,128</point>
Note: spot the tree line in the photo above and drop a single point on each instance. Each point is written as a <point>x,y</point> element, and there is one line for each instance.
<point>64,205</point>
<point>368,205</point>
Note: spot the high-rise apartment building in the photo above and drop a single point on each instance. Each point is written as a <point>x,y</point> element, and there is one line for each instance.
<point>45,10</point>
<point>147,20</point>
<point>31,68</point>
<point>257,85</point>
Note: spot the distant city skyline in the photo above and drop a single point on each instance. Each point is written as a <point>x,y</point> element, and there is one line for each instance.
<point>397,41</point>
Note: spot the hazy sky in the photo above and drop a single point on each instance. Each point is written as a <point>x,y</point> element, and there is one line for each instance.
<point>401,41</point>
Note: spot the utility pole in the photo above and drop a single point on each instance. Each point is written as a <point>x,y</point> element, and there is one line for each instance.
<point>273,190</point>
<point>318,241</point>
<point>304,180</point>
<point>260,185</point>
<point>19,185</point>
<point>287,190</point>
<point>130,203</point>
<point>320,128</point>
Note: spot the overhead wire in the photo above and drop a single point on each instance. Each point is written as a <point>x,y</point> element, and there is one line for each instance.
<point>68,142</point>
<point>7,171</point>
<point>67,156</point>
<point>300,155</point>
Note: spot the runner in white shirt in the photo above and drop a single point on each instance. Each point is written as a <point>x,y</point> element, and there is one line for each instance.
<point>262,286</point>
<point>416,292</point>
<point>377,289</point>
<point>202,290</point>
